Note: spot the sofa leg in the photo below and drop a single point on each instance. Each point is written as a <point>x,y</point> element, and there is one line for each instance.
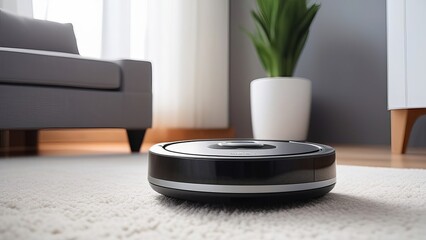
<point>18,142</point>
<point>135,139</point>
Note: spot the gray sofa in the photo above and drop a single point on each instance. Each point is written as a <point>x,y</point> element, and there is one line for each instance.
<point>45,83</point>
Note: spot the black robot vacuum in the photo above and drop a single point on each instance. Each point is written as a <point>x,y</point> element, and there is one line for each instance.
<point>205,170</point>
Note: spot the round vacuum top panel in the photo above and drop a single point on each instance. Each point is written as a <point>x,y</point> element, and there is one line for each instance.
<point>246,148</point>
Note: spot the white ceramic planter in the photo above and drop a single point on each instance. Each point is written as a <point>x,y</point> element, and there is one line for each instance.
<point>280,108</point>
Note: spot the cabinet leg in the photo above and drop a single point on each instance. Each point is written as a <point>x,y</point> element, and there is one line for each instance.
<point>402,121</point>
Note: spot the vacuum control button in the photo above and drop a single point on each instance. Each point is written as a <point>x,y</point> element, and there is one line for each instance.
<point>241,144</point>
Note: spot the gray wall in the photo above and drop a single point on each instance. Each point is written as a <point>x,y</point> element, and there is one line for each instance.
<point>345,57</point>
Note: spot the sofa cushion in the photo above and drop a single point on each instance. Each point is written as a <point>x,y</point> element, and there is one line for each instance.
<point>22,32</point>
<point>35,67</point>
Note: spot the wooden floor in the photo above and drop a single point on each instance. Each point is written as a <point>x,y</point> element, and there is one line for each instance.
<point>378,156</point>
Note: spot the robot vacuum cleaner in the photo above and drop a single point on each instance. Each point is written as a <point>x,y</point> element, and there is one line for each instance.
<point>210,170</point>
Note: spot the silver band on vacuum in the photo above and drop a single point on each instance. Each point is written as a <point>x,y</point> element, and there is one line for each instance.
<point>201,187</point>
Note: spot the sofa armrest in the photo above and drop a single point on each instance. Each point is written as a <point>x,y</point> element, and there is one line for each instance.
<point>136,75</point>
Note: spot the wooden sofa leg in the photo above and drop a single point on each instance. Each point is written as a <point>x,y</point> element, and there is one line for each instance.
<point>402,121</point>
<point>135,137</point>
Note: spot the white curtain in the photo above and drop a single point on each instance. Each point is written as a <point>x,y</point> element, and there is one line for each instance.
<point>124,29</point>
<point>188,46</point>
<point>186,41</point>
<point>20,7</point>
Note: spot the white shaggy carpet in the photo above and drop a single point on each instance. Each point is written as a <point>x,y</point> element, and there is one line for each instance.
<point>108,197</point>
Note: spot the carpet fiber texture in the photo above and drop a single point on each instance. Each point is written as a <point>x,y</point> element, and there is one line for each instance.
<point>108,197</point>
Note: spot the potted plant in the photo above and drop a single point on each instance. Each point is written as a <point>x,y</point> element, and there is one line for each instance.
<point>280,103</point>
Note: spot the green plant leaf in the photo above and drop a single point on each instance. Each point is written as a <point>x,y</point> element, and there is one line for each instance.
<point>303,32</point>
<point>262,24</point>
<point>262,52</point>
<point>282,28</point>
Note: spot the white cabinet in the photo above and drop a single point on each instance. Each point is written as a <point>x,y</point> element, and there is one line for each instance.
<point>415,23</point>
<point>406,39</point>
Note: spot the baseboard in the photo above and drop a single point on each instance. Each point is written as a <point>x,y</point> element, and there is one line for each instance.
<point>153,135</point>
<point>82,135</point>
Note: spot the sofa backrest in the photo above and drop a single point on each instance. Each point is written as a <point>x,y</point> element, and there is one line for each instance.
<point>22,32</point>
